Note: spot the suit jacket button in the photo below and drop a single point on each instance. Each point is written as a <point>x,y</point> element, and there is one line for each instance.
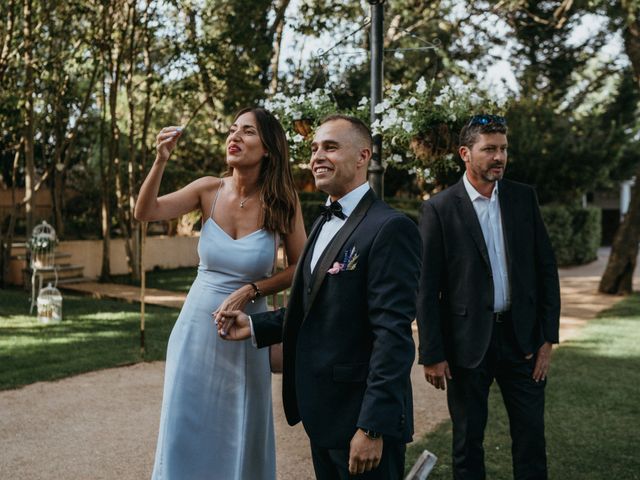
<point>309,290</point>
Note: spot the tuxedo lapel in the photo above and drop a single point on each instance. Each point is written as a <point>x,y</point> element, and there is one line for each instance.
<point>332,250</point>
<point>297,287</point>
<point>470,219</point>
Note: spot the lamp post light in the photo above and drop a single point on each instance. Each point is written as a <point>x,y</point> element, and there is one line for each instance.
<point>376,170</point>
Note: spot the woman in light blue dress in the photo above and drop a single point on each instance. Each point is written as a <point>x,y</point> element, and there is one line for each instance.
<point>216,420</point>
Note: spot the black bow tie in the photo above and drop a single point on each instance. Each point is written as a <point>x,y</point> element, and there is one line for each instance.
<point>333,209</point>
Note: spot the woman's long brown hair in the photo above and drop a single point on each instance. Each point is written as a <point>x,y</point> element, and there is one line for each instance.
<point>277,188</point>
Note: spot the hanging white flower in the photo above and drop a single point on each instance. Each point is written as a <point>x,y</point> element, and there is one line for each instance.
<point>396,158</point>
<point>421,86</point>
<point>474,99</point>
<point>382,106</point>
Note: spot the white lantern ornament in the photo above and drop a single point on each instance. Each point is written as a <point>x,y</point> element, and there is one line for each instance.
<point>49,305</point>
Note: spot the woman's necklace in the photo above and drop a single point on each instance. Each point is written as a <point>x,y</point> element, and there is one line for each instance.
<point>243,200</point>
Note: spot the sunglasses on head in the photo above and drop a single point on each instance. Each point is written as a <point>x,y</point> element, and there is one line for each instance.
<point>486,120</point>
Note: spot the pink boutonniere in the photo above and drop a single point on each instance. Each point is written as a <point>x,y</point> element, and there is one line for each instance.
<point>336,268</point>
<point>349,262</point>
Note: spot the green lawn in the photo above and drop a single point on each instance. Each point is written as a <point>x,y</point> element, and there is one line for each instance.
<point>593,408</point>
<point>177,280</point>
<point>94,334</point>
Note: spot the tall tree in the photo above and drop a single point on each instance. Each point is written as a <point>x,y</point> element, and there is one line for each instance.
<point>28,95</point>
<point>618,276</point>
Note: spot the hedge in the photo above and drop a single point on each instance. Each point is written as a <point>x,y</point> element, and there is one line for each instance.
<point>575,233</point>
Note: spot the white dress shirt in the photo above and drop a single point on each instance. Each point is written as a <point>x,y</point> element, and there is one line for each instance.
<point>490,218</point>
<point>331,227</point>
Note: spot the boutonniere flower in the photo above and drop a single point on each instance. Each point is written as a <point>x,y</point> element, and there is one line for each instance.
<point>349,262</point>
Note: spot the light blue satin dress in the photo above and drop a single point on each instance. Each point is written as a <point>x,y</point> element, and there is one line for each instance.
<point>217,421</point>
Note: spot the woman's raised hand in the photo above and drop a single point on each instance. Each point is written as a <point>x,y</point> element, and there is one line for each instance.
<point>166,141</point>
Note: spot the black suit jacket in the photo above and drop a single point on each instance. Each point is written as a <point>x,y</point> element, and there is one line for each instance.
<point>348,347</point>
<point>455,303</point>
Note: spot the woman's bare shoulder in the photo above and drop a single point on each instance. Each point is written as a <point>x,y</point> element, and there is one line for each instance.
<point>207,183</point>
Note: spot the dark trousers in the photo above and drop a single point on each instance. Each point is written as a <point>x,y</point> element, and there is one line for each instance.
<point>467,395</point>
<point>332,464</point>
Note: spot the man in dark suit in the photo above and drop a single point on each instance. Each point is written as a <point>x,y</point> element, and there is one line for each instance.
<point>346,332</point>
<point>489,302</point>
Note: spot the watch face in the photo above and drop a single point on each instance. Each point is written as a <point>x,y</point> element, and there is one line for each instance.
<point>372,434</point>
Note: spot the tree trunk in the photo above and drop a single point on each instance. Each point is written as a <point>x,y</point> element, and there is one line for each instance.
<point>105,208</point>
<point>57,196</point>
<point>276,31</point>
<point>29,117</point>
<point>129,225</point>
<point>618,276</point>
<point>6,44</point>
<point>6,240</point>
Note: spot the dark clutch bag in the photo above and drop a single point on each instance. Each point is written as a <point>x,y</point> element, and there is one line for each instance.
<point>275,358</point>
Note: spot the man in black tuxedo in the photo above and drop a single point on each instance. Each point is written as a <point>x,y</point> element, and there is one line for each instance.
<point>346,332</point>
<point>489,302</point>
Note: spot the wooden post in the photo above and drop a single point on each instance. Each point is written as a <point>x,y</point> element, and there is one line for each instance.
<point>143,279</point>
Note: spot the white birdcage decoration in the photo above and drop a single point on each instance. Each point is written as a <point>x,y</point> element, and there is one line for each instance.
<point>49,305</point>
<point>42,246</point>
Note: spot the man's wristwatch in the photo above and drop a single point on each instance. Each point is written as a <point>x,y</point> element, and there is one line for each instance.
<point>371,434</point>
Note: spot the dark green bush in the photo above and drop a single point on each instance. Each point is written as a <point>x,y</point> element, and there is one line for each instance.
<point>587,234</point>
<point>575,233</point>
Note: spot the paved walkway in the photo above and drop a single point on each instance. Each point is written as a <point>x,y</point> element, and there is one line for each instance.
<point>128,293</point>
<point>103,424</point>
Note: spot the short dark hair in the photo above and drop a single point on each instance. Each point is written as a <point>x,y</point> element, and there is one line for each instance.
<point>488,124</point>
<point>360,127</point>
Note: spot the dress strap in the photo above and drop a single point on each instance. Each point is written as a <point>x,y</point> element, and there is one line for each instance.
<point>215,199</point>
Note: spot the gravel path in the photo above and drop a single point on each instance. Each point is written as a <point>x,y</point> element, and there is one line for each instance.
<point>103,425</point>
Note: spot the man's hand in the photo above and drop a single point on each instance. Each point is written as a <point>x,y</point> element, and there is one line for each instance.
<point>364,453</point>
<point>232,324</point>
<point>543,360</point>
<point>436,373</point>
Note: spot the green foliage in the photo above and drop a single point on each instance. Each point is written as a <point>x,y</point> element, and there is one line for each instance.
<point>575,233</point>
<point>587,423</point>
<point>565,156</point>
<point>94,334</point>
<point>587,234</point>
<point>574,124</point>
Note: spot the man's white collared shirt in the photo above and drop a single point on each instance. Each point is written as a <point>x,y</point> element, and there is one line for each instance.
<point>490,218</point>
<point>331,227</point>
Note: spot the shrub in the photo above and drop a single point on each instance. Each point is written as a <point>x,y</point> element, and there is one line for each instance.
<point>575,233</point>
